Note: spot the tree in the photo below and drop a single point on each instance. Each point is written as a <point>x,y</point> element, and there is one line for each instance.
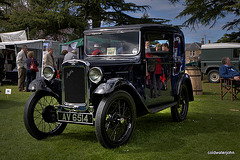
<point>4,4</point>
<point>108,11</point>
<point>65,20</point>
<point>54,19</point>
<point>233,37</point>
<point>208,12</point>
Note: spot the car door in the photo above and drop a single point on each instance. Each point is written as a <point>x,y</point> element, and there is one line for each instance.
<point>236,58</point>
<point>158,54</point>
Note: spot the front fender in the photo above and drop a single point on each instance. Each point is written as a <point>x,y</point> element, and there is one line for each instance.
<point>110,85</point>
<point>53,86</point>
<point>121,84</point>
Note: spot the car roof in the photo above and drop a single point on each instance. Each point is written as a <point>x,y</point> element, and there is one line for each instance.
<point>220,45</point>
<point>135,27</point>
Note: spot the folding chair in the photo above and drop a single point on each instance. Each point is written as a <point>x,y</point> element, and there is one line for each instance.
<point>229,86</point>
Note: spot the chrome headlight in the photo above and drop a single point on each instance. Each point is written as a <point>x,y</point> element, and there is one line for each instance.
<point>49,73</point>
<point>95,74</point>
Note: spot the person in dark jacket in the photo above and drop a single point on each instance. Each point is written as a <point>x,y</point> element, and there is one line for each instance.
<point>227,71</point>
<point>60,59</point>
<point>31,75</point>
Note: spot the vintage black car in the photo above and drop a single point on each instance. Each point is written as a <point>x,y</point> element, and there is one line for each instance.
<point>127,72</point>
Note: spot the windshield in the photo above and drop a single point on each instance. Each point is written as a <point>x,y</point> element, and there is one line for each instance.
<point>112,44</point>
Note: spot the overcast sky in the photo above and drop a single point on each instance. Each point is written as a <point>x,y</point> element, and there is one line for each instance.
<point>164,9</point>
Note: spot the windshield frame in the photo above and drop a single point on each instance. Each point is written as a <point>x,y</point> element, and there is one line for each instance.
<point>112,33</point>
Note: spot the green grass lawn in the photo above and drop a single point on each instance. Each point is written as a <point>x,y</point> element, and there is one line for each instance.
<point>211,125</point>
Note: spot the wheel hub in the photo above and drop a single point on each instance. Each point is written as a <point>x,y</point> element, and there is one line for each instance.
<point>214,76</point>
<point>49,114</point>
<point>121,120</point>
<point>116,119</point>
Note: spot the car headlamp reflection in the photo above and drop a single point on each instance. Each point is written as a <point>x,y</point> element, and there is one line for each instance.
<point>48,73</point>
<point>95,74</point>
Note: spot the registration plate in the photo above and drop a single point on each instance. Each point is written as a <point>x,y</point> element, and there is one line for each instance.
<point>74,117</point>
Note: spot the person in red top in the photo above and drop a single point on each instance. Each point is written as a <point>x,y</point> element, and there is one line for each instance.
<point>97,50</point>
<point>165,47</point>
<point>31,75</point>
<point>158,70</point>
<point>158,65</point>
<point>151,69</point>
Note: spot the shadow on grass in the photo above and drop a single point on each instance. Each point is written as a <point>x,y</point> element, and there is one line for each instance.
<point>81,135</point>
<point>158,133</point>
<point>75,132</point>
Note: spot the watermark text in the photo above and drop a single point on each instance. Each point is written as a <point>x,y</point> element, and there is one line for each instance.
<point>221,152</point>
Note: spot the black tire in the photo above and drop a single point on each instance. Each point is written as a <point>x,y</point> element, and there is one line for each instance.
<point>179,111</point>
<point>40,116</point>
<point>213,76</point>
<point>115,119</point>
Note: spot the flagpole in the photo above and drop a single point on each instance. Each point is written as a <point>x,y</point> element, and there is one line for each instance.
<point>28,32</point>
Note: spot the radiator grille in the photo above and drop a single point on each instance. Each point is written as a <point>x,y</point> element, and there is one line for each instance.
<point>74,84</point>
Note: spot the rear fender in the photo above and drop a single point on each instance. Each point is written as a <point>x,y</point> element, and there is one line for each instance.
<point>185,79</point>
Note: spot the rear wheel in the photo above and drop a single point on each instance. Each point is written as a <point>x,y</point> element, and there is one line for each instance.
<point>179,111</point>
<point>213,76</point>
<point>115,119</point>
<point>40,117</point>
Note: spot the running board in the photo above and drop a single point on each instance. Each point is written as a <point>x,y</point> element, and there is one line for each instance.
<point>160,108</point>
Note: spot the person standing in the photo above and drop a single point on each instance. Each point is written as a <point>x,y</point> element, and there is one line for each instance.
<point>71,55</point>
<point>48,59</point>
<point>2,60</point>
<point>60,61</point>
<point>31,75</point>
<point>21,65</point>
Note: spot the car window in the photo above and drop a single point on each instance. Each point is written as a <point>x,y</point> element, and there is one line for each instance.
<point>112,44</point>
<point>157,45</point>
<point>236,53</point>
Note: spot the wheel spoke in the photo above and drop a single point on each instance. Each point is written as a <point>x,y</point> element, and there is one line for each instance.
<point>107,126</point>
<point>114,133</point>
<point>50,126</point>
<point>119,107</point>
<point>37,117</point>
<point>40,104</point>
<point>118,118</point>
<point>40,123</point>
<point>124,109</point>
<point>39,111</point>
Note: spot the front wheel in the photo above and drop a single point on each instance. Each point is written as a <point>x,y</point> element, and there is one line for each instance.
<point>115,119</point>
<point>179,111</point>
<point>40,117</point>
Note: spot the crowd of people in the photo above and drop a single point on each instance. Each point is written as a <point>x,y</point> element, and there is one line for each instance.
<point>25,59</point>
